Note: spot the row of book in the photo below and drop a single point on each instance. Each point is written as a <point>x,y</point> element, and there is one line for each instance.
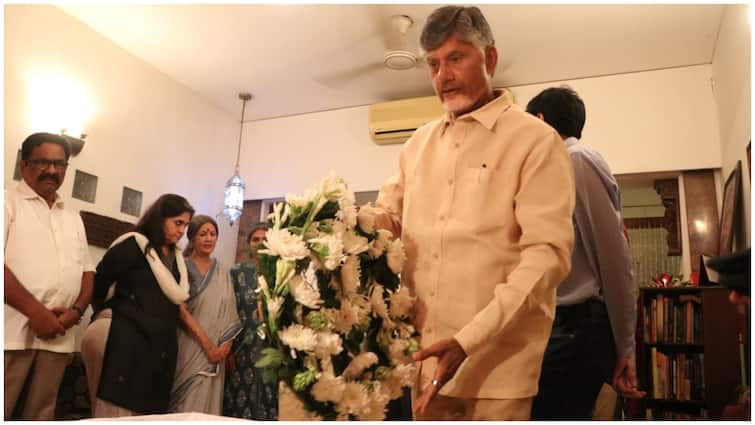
<point>651,414</point>
<point>672,319</point>
<point>677,376</point>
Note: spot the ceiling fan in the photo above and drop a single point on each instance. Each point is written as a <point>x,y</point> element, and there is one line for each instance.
<point>398,56</point>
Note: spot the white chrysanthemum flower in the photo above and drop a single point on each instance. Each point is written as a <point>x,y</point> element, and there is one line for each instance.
<point>333,188</point>
<point>354,244</point>
<point>354,399</point>
<point>282,243</point>
<point>298,337</point>
<point>330,249</point>
<point>397,351</point>
<point>328,388</point>
<point>378,305</point>
<point>358,364</point>
<point>366,218</point>
<point>401,302</point>
<point>401,376</point>
<point>380,243</point>
<point>363,308</point>
<point>348,215</point>
<point>344,318</point>
<point>304,293</point>
<point>350,272</point>
<point>377,401</point>
<point>396,256</point>
<point>328,344</point>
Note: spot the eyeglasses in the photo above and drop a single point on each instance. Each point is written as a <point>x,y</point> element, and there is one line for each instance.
<point>44,164</point>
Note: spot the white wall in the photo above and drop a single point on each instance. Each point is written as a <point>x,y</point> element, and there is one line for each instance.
<point>731,75</point>
<point>146,131</point>
<point>640,122</point>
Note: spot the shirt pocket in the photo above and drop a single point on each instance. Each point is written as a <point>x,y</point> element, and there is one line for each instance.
<point>474,191</point>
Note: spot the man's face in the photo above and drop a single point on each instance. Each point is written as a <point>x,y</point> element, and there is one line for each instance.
<point>45,169</point>
<point>461,74</point>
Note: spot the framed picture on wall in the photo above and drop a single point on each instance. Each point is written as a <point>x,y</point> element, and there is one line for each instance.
<point>730,209</point>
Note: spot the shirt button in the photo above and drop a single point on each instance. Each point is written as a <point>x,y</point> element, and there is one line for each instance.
<point>132,296</point>
<point>450,182</point>
<point>432,293</point>
<point>442,217</point>
<point>163,354</point>
<point>121,378</point>
<point>456,145</point>
<point>435,255</point>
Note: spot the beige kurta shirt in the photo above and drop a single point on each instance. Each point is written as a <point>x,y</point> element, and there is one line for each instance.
<point>483,203</point>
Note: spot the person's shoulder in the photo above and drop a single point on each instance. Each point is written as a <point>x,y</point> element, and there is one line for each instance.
<point>515,120</point>
<point>125,243</point>
<point>423,134</point>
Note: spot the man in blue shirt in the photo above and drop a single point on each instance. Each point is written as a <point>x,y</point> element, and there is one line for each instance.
<point>593,331</point>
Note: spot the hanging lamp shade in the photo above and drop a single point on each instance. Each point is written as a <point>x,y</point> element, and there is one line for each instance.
<point>233,198</point>
<point>233,201</point>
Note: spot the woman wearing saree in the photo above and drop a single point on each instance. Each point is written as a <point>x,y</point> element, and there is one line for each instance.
<point>210,324</point>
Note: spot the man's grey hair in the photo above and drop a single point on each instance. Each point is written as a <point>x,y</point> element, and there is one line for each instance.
<point>465,23</point>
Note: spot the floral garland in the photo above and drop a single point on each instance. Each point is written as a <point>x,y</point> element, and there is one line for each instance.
<point>336,321</point>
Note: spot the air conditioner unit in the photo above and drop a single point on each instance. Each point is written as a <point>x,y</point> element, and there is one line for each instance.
<point>394,122</point>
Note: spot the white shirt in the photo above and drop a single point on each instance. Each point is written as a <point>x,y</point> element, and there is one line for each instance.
<point>46,249</point>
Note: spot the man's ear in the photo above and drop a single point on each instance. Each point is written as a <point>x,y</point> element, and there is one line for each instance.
<point>491,59</point>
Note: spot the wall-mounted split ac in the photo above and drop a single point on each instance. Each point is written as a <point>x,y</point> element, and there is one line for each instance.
<point>394,122</point>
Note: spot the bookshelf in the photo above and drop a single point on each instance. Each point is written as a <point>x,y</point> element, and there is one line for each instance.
<point>687,351</point>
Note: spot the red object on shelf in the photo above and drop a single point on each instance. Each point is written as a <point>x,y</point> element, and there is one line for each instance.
<point>694,279</point>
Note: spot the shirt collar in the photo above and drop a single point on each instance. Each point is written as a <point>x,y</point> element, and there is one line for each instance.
<point>28,193</point>
<point>570,141</point>
<point>486,115</point>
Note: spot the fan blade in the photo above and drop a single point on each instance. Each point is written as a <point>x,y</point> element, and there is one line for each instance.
<point>338,79</point>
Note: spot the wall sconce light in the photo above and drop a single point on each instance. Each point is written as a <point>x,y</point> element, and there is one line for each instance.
<point>77,144</point>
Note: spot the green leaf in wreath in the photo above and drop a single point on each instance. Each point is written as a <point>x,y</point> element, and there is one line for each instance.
<point>303,380</point>
<point>271,357</point>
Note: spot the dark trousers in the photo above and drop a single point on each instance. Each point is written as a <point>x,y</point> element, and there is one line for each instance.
<point>580,356</point>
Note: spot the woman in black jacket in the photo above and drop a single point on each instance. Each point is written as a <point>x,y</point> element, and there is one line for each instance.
<point>129,349</point>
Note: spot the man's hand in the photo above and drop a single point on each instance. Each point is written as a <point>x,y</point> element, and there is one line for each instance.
<point>68,317</point>
<point>45,324</point>
<point>450,356</point>
<point>625,378</point>
<point>218,353</point>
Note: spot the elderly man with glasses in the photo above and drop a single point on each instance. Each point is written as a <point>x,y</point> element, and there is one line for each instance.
<point>48,279</point>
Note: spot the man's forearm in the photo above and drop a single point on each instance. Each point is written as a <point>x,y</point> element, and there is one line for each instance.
<point>19,297</point>
<point>87,289</point>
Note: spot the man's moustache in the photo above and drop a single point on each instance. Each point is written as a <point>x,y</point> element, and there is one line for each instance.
<point>48,177</point>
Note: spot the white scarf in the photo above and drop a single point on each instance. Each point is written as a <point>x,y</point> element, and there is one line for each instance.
<point>178,293</point>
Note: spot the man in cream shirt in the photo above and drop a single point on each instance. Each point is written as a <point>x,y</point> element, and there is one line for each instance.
<point>48,278</point>
<point>483,201</point>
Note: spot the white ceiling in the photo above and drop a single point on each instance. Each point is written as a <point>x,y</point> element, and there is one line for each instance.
<point>303,58</point>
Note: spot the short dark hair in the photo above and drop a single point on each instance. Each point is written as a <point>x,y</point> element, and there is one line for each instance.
<point>466,23</point>
<point>151,223</point>
<point>37,139</point>
<point>562,108</point>
<point>195,224</point>
<point>254,228</point>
